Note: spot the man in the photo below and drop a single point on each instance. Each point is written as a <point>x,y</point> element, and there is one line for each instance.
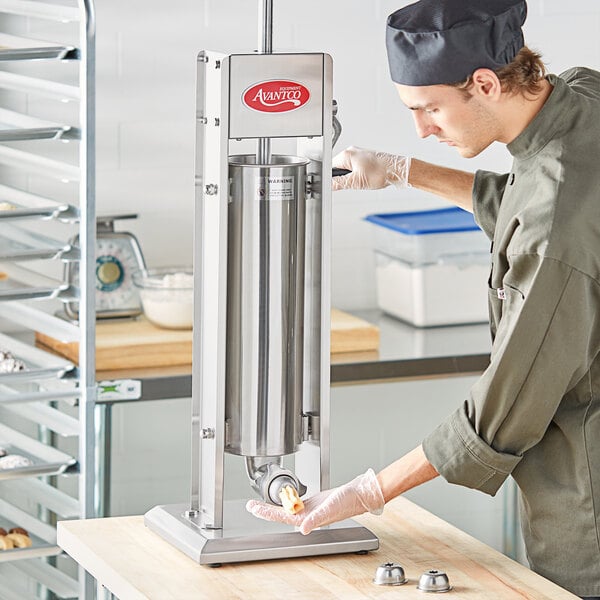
<point>462,68</point>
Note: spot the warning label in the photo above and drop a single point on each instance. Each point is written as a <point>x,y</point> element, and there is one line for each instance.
<point>277,188</point>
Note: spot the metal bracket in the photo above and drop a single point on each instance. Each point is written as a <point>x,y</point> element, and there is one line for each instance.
<point>310,427</point>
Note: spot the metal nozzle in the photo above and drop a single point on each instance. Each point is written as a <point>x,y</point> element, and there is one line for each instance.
<point>269,478</point>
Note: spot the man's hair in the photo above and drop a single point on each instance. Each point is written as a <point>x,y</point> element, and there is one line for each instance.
<point>524,75</point>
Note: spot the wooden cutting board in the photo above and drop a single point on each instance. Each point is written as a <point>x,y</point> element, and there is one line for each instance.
<point>138,343</point>
<point>352,334</point>
<point>129,344</point>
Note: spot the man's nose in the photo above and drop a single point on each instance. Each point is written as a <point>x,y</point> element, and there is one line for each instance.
<point>423,125</point>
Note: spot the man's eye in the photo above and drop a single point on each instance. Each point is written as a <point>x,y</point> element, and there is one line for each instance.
<point>430,111</point>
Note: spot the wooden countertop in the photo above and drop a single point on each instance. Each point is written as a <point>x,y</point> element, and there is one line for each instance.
<point>135,564</point>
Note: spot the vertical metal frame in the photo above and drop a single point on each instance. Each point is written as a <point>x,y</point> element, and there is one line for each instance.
<point>87,237</point>
<point>87,278</point>
<point>210,285</point>
<point>312,462</point>
<point>326,233</point>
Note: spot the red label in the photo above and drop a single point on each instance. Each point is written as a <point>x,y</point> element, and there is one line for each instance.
<point>276,96</point>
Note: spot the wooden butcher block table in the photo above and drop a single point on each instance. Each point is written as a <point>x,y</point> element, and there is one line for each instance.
<point>135,564</point>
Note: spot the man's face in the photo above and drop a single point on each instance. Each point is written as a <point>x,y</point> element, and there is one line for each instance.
<point>464,122</point>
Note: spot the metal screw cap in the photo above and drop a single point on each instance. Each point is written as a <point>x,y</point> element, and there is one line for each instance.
<point>434,581</point>
<point>389,574</point>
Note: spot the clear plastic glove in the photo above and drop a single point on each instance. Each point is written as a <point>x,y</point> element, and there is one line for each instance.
<point>370,170</point>
<point>360,495</point>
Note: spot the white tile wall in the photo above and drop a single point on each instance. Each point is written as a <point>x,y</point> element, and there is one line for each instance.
<point>146,111</point>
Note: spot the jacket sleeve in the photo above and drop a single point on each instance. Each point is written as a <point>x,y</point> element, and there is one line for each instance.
<point>487,192</point>
<point>546,339</point>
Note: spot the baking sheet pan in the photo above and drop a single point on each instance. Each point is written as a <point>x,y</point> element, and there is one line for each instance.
<point>39,364</point>
<point>45,459</point>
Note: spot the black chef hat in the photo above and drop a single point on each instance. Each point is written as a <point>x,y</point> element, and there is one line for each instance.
<point>433,42</point>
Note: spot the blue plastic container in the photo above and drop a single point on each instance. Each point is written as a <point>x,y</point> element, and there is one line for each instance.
<point>428,236</point>
<point>431,267</point>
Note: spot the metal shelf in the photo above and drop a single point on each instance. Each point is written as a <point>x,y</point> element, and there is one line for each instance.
<point>46,460</point>
<point>39,391</point>
<point>18,48</point>
<point>44,532</point>
<point>39,321</point>
<point>45,495</point>
<point>39,547</point>
<point>39,165</point>
<point>17,283</point>
<point>41,87</point>
<point>17,205</point>
<point>15,126</point>
<point>41,10</point>
<point>17,244</point>
<point>44,415</point>
<point>38,363</point>
<point>57,582</point>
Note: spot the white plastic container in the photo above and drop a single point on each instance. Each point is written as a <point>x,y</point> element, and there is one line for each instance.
<point>431,267</point>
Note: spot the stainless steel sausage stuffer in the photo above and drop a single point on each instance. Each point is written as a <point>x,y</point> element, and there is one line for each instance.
<point>260,371</point>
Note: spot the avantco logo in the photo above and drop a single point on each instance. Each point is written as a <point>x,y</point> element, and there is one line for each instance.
<point>276,96</point>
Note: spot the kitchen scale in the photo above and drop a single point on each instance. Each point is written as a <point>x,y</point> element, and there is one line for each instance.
<point>118,256</point>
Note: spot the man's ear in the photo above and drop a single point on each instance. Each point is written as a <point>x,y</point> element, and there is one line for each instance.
<point>486,83</point>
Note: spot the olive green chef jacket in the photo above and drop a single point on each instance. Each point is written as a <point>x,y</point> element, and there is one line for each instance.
<point>535,412</point>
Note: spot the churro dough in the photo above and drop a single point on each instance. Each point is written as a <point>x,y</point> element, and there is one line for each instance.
<point>290,500</point>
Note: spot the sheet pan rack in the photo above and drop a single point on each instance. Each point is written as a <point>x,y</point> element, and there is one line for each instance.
<point>47,403</point>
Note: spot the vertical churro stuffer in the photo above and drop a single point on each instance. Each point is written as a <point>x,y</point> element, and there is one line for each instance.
<point>260,393</point>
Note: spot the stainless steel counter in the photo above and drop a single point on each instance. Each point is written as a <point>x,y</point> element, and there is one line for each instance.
<point>407,352</point>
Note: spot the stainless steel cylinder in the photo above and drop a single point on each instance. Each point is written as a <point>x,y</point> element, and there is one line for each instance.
<point>265,305</point>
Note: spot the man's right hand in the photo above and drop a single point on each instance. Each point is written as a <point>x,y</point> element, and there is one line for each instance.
<point>370,170</point>
<point>356,497</point>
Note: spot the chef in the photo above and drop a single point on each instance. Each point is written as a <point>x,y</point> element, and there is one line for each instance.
<point>462,68</point>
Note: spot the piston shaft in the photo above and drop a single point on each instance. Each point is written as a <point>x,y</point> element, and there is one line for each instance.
<point>265,46</point>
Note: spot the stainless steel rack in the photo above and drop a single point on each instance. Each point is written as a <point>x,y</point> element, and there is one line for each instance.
<point>47,182</point>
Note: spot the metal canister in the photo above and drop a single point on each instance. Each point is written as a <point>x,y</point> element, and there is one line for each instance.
<point>265,304</point>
